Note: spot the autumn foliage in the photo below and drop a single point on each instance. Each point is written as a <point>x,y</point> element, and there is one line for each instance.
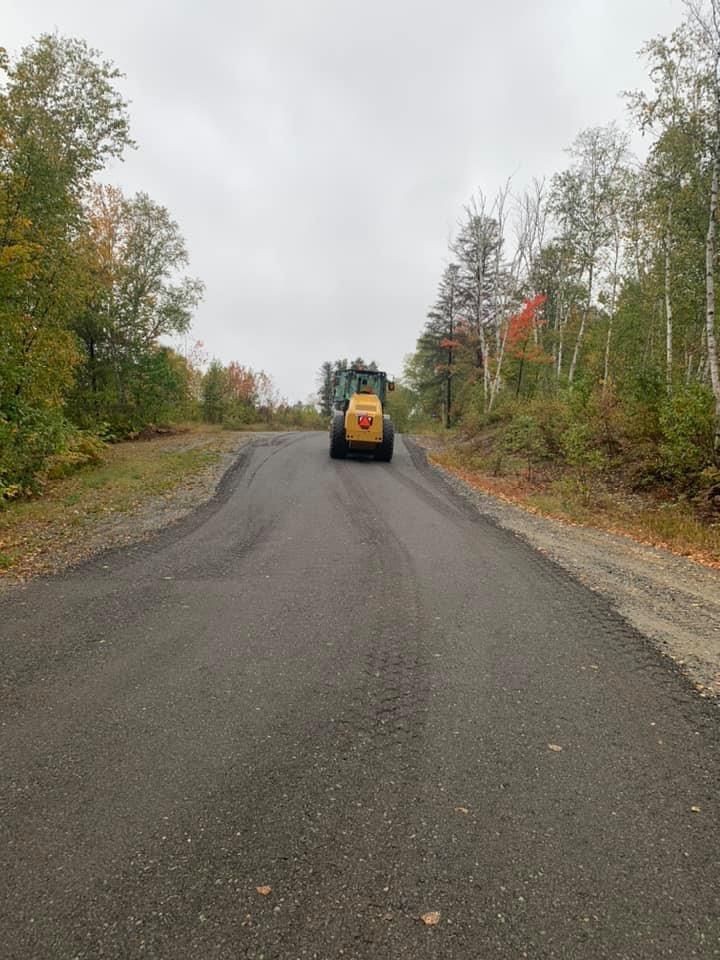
<point>523,342</point>
<point>522,324</point>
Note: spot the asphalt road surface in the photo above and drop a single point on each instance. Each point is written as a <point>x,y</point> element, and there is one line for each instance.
<point>338,682</point>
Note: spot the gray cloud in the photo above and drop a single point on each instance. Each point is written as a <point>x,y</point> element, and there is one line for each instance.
<point>317,153</point>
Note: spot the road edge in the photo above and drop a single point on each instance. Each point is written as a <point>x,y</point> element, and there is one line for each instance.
<point>230,470</point>
<point>699,674</point>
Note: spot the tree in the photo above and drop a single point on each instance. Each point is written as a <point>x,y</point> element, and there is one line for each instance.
<point>325,388</point>
<point>672,112</point>
<point>215,393</point>
<point>706,17</point>
<point>438,344</point>
<point>522,341</point>
<point>478,249</point>
<point>135,255</point>
<point>61,119</point>
<point>583,200</point>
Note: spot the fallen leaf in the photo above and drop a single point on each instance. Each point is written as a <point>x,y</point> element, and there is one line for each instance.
<point>554,747</point>
<point>695,809</point>
<point>461,810</point>
<point>264,891</point>
<point>431,919</point>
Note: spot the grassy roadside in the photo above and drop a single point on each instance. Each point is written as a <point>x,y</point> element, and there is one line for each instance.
<point>130,476</point>
<point>570,497</point>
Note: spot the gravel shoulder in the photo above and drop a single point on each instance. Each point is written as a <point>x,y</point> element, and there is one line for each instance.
<point>157,512</point>
<point>674,601</point>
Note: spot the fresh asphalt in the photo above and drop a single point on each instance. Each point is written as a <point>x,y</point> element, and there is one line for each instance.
<point>339,682</point>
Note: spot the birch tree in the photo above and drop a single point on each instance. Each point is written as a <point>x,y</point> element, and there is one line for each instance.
<point>582,201</point>
<point>672,113</point>
<point>706,16</point>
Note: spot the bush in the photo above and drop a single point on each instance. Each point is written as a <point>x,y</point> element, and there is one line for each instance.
<point>28,441</point>
<point>523,435</point>
<point>82,450</point>
<point>687,423</point>
<point>580,449</point>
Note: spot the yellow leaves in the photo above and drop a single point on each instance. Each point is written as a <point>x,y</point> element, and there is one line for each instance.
<point>19,253</point>
<point>264,890</point>
<point>20,257</point>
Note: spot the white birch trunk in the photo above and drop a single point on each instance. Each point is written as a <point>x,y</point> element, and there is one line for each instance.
<point>498,380</point>
<point>562,319</point>
<point>486,368</point>
<point>668,306</point>
<point>581,331</point>
<point>711,340</point>
<point>613,298</point>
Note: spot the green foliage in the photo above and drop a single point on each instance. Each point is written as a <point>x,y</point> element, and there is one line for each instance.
<point>133,255</point>
<point>29,438</point>
<point>298,416</point>
<point>61,103</point>
<point>89,280</point>
<point>61,119</point>
<point>402,406</point>
<point>523,435</point>
<point>580,449</point>
<point>687,424</point>
<point>325,388</point>
<point>82,450</point>
<point>240,398</point>
<point>215,398</point>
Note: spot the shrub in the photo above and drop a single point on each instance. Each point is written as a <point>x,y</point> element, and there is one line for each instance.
<point>28,441</point>
<point>686,423</point>
<point>580,449</point>
<point>524,435</point>
<point>82,450</point>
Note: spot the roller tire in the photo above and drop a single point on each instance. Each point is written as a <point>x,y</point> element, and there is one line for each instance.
<point>385,450</point>
<point>338,443</point>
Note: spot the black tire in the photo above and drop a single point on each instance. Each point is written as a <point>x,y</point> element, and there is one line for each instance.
<point>385,450</point>
<point>338,443</point>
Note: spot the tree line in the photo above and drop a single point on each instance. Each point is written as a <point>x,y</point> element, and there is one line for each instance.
<point>91,280</point>
<point>580,313</point>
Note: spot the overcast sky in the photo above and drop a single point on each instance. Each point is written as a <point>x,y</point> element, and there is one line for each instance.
<point>317,153</point>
